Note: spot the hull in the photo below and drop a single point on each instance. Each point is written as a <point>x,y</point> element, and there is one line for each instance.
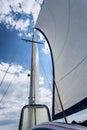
<point>58,126</point>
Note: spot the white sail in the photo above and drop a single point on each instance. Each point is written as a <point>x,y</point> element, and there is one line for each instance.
<point>64,23</point>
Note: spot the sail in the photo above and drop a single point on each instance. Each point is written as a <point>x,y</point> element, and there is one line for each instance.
<point>34,84</point>
<point>64,23</point>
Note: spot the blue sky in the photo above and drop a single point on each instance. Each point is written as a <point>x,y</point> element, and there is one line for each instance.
<point>17,19</point>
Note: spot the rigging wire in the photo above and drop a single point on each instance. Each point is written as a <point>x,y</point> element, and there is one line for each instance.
<point>4,75</point>
<point>58,94</point>
<point>7,71</point>
<point>4,94</point>
<point>27,84</point>
<point>75,67</point>
<point>12,59</point>
<point>46,75</point>
<point>49,59</point>
<point>6,90</point>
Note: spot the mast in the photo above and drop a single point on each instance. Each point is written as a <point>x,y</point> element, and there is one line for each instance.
<point>34,81</point>
<point>34,113</point>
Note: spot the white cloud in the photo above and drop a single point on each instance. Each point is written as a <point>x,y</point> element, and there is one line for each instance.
<point>35,11</point>
<point>45,96</point>
<point>17,94</point>
<point>27,6</point>
<point>39,1</point>
<point>15,5</point>
<point>20,34</point>
<point>3,66</point>
<point>41,81</point>
<point>41,36</point>
<point>22,25</point>
<point>45,49</point>
<point>4,7</point>
<point>7,5</point>
<point>9,10</point>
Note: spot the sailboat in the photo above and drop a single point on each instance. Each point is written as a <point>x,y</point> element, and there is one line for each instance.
<point>64,26</point>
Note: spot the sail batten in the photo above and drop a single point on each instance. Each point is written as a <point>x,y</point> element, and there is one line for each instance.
<point>64,22</point>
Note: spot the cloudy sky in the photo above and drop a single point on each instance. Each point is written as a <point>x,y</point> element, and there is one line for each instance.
<point>17,19</point>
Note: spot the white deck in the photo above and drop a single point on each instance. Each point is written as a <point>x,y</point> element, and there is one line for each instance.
<point>58,126</point>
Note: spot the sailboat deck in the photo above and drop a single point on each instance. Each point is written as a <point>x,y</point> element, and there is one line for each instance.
<point>58,126</point>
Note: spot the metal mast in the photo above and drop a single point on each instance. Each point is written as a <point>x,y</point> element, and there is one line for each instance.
<point>34,79</point>
<point>34,74</point>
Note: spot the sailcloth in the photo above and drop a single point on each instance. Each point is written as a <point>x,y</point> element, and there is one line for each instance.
<point>64,23</point>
